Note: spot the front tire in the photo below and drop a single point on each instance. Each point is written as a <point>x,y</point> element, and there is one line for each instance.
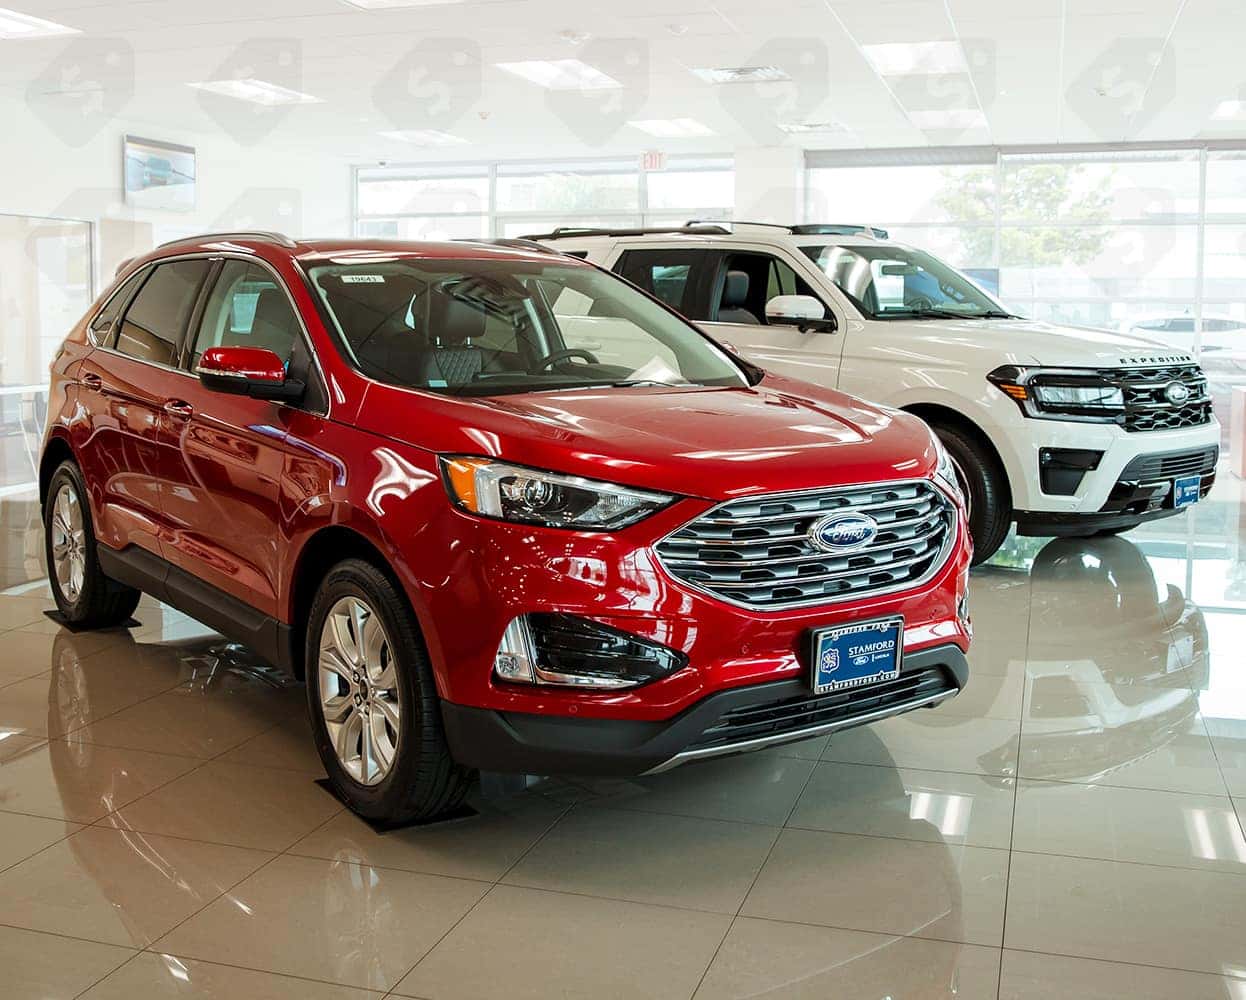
<point>985,486</point>
<point>373,703</point>
<point>85,596</point>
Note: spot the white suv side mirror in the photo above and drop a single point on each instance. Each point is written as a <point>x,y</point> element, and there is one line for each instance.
<point>801,311</point>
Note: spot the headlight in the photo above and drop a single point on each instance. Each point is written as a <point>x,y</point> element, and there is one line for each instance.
<point>495,489</point>
<point>1056,394</point>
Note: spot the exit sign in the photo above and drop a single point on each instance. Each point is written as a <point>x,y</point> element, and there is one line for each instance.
<point>652,159</point>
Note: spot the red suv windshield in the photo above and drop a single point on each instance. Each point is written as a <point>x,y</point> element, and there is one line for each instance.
<point>485,327</point>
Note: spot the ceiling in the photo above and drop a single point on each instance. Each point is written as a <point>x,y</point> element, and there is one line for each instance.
<point>1038,71</point>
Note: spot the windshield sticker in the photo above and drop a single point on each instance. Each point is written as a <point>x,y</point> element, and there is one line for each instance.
<point>363,279</point>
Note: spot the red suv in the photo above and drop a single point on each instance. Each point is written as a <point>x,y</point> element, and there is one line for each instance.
<point>499,508</point>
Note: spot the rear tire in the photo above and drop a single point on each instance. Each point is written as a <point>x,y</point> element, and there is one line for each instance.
<point>986,490</point>
<point>374,710</point>
<point>85,596</point>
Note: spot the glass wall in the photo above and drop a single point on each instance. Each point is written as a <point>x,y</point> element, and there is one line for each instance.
<point>45,287</point>
<point>514,199</point>
<point>1150,241</point>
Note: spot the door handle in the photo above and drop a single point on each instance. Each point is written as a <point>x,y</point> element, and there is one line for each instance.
<point>91,381</point>
<point>179,408</point>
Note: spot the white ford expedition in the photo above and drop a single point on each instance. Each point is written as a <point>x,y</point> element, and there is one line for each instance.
<point>1064,431</point>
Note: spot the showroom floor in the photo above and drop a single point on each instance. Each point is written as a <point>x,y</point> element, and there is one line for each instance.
<point>1065,827</point>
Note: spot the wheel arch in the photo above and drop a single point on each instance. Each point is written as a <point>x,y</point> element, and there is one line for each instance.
<point>936,413</point>
<point>56,451</point>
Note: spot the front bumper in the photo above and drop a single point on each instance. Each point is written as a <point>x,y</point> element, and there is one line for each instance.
<point>727,722</point>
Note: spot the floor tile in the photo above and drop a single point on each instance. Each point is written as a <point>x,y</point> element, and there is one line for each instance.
<point>288,746</point>
<point>649,858</point>
<point>1174,757</point>
<point>355,925</point>
<point>945,807</point>
<point>1231,756</point>
<point>517,942</point>
<point>1129,824</point>
<point>80,781</point>
<point>804,749</point>
<point>256,807</point>
<point>21,836</point>
<point>25,655</point>
<point>168,977</point>
<point>184,721</point>
<point>1030,976</point>
<point>751,788</point>
<point>18,611</point>
<point>481,847</point>
<point>923,740</point>
<point>117,887</point>
<point>38,966</point>
<point>782,961</point>
<point>889,886</point>
<point>1171,917</point>
<point>986,696</point>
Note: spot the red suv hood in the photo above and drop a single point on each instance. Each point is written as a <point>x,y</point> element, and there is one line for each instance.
<point>714,443</point>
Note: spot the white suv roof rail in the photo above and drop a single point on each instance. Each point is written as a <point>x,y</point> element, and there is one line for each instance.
<point>803,229</point>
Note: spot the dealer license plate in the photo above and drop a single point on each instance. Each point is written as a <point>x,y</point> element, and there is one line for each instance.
<point>849,656</point>
<point>1185,491</point>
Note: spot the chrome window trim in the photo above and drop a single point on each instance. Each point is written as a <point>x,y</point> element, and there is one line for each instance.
<point>249,259</point>
<point>90,327</point>
<point>937,565</point>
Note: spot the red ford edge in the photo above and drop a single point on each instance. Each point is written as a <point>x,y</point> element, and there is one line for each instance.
<point>498,508</point>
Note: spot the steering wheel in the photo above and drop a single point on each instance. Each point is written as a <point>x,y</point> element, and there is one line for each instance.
<point>570,352</point>
<point>919,303</point>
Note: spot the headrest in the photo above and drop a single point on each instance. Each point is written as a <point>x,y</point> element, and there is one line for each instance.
<point>735,291</point>
<point>451,321</point>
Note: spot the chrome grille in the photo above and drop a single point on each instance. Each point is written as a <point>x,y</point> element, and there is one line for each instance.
<point>757,552</point>
<point>1147,409</point>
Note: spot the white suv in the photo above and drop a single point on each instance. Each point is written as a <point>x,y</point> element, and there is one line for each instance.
<point>1066,431</point>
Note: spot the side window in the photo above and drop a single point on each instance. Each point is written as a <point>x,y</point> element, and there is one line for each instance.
<point>158,314</point>
<point>668,274</point>
<point>753,279</point>
<point>247,308</point>
<point>101,330</point>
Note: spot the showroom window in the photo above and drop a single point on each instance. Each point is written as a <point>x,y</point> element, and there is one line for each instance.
<point>482,200</point>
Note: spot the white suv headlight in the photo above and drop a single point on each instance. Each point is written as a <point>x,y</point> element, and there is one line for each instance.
<point>489,488</point>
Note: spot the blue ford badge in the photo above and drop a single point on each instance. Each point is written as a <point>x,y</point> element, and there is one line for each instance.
<point>844,532</point>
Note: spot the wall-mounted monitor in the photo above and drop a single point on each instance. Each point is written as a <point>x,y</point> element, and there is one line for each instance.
<point>159,175</point>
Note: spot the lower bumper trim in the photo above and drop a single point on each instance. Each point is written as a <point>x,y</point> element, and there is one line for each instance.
<point>726,722</point>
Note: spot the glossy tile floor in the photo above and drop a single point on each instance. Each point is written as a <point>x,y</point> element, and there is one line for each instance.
<point>1070,826</point>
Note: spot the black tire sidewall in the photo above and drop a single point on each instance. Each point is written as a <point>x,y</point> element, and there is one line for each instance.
<point>357,579</point>
<point>990,511</point>
<point>67,473</point>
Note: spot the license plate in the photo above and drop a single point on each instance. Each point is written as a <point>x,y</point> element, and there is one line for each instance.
<point>849,656</point>
<point>1185,491</point>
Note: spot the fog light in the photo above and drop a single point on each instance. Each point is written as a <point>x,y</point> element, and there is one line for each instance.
<point>568,651</point>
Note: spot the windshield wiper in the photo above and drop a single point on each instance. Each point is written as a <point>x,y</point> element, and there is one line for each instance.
<point>926,314</point>
<point>999,314</point>
<point>627,383</point>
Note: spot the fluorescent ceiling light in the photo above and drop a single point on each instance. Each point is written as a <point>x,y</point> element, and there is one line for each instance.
<point>384,4</point>
<point>14,24</point>
<point>424,137</point>
<point>561,74</point>
<point>742,74</point>
<point>914,58</point>
<point>949,118</point>
<point>256,92</point>
<point>805,128</point>
<point>1230,111</point>
<point>672,128</point>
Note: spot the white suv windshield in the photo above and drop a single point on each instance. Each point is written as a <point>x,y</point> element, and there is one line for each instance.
<point>890,282</point>
<point>488,327</point>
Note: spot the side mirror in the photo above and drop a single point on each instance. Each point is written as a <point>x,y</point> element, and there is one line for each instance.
<point>248,371</point>
<point>801,311</point>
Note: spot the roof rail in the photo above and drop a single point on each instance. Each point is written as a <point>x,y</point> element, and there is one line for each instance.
<point>839,229</point>
<point>730,225</point>
<point>262,235</point>
<point>514,243</point>
<point>568,232</point>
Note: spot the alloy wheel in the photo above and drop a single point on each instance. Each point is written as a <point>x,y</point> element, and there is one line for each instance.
<point>69,560</point>
<point>359,690</point>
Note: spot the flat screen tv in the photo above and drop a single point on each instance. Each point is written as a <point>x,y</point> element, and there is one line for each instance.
<point>159,175</point>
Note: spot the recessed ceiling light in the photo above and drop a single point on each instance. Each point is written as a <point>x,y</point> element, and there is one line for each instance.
<point>384,4</point>
<point>15,24</point>
<point>912,58</point>
<point>257,92</point>
<point>948,118</point>
<point>424,137</point>
<point>1229,111</point>
<point>672,128</point>
<point>561,74</point>
<point>573,37</point>
<point>742,74</point>
<point>804,128</point>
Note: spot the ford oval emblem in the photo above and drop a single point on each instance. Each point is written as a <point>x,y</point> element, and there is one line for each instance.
<point>1176,393</point>
<point>845,532</point>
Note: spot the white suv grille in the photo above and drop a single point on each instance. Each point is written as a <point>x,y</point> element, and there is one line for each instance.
<point>757,552</point>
